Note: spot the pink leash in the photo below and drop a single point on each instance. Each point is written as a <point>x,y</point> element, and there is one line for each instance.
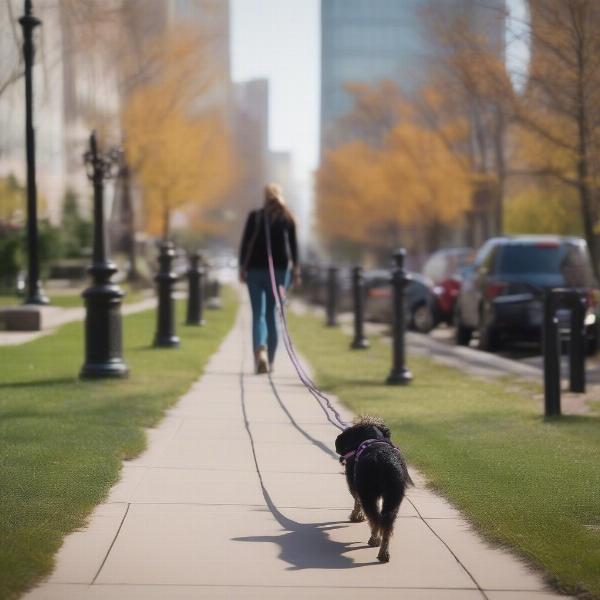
<point>332,414</point>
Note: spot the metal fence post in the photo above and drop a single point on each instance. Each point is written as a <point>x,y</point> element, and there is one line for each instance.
<point>399,375</point>
<point>332,293</point>
<point>359,342</point>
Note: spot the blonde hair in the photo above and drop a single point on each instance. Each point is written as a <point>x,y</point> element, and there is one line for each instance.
<point>274,204</point>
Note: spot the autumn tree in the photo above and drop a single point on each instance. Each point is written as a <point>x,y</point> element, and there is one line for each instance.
<point>408,179</point>
<point>176,140</point>
<point>558,113</point>
<point>470,75</point>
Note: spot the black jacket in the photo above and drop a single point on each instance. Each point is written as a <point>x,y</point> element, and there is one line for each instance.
<point>253,248</point>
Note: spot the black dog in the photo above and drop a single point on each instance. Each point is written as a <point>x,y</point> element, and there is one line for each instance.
<point>375,470</point>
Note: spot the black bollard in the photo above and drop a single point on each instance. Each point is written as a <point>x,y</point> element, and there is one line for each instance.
<point>165,279</point>
<point>195,304</point>
<point>103,332</point>
<point>331,299</point>
<point>551,351</point>
<point>399,375</point>
<point>358,292</point>
<point>577,344</point>
<point>214,299</point>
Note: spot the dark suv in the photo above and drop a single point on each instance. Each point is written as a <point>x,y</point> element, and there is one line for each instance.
<point>502,296</point>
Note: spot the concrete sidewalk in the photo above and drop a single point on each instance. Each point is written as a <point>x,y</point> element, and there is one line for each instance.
<point>240,496</point>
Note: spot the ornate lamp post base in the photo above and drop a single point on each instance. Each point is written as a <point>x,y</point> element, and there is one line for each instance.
<point>37,297</point>
<point>103,347</point>
<point>402,377</point>
<point>103,331</point>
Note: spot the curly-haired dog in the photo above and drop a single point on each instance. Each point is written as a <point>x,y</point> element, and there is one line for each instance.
<point>375,471</point>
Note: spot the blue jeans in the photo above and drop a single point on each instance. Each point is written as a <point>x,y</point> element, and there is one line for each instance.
<point>264,327</point>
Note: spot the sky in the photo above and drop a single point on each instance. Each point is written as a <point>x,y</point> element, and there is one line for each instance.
<point>280,40</point>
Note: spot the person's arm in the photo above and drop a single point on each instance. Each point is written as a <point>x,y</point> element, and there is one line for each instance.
<point>294,251</point>
<point>244,247</point>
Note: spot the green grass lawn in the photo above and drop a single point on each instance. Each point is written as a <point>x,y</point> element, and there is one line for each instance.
<point>71,298</point>
<point>531,484</point>
<point>62,440</point>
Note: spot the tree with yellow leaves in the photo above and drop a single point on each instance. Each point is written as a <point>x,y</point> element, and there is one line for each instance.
<point>472,79</point>
<point>409,179</point>
<point>558,113</point>
<point>176,142</point>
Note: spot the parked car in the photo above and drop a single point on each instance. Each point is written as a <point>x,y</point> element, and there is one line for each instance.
<point>501,296</point>
<point>419,299</point>
<point>444,269</point>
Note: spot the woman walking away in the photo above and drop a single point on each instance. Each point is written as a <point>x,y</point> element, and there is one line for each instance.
<point>254,269</point>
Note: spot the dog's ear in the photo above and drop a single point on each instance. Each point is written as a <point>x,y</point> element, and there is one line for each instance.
<point>342,442</point>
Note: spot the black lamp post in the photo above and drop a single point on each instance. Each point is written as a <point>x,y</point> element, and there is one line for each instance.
<point>103,337</point>
<point>35,293</point>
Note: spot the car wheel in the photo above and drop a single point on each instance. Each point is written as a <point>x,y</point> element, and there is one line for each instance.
<point>488,334</point>
<point>422,319</point>
<point>462,334</point>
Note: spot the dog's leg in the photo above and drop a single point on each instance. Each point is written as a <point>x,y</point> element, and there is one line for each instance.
<point>389,512</point>
<point>371,510</point>
<point>357,516</point>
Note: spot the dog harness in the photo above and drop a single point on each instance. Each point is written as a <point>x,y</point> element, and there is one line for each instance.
<point>364,445</point>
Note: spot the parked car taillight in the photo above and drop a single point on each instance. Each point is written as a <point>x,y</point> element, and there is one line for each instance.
<point>495,289</point>
<point>379,292</point>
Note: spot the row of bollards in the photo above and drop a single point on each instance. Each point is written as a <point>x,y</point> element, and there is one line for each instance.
<point>103,328</point>
<point>399,373</point>
<point>555,300</point>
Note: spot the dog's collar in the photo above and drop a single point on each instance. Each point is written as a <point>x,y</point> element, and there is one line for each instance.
<point>363,446</point>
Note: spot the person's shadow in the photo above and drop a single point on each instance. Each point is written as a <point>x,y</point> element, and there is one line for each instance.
<point>307,545</point>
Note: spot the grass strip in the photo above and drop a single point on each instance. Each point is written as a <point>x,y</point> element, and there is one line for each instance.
<point>72,298</point>
<point>524,482</point>
<point>62,440</point>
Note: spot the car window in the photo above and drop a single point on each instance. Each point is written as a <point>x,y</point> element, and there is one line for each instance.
<point>487,260</point>
<point>567,259</point>
<point>483,253</point>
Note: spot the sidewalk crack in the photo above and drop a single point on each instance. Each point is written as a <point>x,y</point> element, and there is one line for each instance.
<point>112,543</point>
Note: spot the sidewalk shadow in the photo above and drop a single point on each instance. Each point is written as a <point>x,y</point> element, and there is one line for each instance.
<point>307,545</point>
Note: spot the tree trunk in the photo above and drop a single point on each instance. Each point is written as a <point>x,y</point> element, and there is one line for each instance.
<point>500,170</point>
<point>166,223</point>
<point>583,185</point>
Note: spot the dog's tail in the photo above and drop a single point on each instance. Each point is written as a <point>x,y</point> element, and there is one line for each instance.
<point>406,475</point>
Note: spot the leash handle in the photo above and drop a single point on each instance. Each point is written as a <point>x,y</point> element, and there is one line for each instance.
<point>332,414</point>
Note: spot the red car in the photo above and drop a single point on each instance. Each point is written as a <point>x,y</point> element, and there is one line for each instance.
<point>443,268</point>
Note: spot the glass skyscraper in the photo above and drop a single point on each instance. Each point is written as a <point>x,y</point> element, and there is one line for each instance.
<point>371,40</point>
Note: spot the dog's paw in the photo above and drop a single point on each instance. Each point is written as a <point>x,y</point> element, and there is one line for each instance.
<point>374,541</point>
<point>383,556</point>
<point>356,517</point>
